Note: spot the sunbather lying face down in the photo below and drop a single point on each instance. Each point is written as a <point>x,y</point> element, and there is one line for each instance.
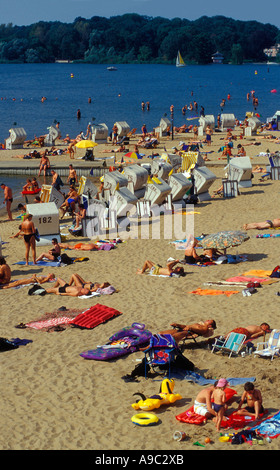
<point>180,332</point>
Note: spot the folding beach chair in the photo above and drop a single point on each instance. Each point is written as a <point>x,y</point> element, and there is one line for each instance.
<point>232,344</point>
<point>161,352</point>
<point>271,347</point>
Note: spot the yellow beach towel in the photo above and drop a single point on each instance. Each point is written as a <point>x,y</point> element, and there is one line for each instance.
<point>257,272</point>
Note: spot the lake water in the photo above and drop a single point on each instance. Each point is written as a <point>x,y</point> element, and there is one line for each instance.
<point>117,96</point>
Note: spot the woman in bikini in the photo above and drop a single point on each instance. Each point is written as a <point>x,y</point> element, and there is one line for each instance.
<point>28,229</point>
<point>52,254</point>
<point>274,223</point>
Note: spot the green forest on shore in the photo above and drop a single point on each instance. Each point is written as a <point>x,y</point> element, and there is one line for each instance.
<point>132,38</point>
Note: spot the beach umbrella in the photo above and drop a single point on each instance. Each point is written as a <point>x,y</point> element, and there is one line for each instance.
<point>133,155</point>
<point>224,239</point>
<point>86,144</point>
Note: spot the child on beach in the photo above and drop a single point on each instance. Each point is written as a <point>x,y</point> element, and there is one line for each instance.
<point>253,397</point>
<point>219,398</point>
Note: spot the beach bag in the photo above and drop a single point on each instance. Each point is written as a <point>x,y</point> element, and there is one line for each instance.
<point>37,290</point>
<point>6,345</point>
<point>65,259</point>
<point>37,235</point>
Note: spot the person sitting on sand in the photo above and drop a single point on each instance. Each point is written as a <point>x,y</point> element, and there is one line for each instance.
<point>156,269</point>
<point>28,186</point>
<point>274,223</point>
<point>62,288</point>
<point>31,280</point>
<point>253,397</point>
<point>181,332</point>
<point>5,272</point>
<point>52,254</point>
<point>191,256</point>
<point>202,403</point>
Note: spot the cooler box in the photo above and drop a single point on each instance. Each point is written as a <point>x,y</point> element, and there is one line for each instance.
<point>46,220</point>
<point>204,178</point>
<point>179,186</point>
<point>240,169</point>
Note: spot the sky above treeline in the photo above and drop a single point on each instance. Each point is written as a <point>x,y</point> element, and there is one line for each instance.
<point>19,12</point>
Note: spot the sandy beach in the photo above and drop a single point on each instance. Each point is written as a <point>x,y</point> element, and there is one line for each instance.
<point>53,399</point>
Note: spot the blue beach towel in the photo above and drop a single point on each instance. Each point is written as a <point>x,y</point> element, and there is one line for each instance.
<point>198,379</point>
<point>269,427</point>
<point>41,263</point>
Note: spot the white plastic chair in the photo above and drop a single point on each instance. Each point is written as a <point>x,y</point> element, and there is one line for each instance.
<point>271,347</point>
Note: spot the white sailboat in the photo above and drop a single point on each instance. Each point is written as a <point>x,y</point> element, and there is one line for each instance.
<point>179,60</point>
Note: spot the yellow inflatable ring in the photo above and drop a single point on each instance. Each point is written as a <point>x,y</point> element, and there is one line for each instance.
<point>144,419</point>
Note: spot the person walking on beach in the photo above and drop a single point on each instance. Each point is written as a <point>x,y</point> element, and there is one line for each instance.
<point>44,164</point>
<point>28,229</point>
<point>72,177</point>
<point>8,199</point>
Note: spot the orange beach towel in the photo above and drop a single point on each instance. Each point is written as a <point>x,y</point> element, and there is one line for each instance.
<point>228,293</point>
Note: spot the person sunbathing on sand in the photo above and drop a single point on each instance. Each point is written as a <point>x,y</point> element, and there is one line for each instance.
<point>31,280</point>
<point>274,223</point>
<point>62,288</point>
<point>180,332</point>
<point>79,246</point>
<point>156,269</point>
<point>78,281</point>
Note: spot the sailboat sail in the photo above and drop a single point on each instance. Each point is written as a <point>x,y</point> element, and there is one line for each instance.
<point>179,61</point>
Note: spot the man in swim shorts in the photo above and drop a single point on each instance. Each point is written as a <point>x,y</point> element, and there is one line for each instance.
<point>252,331</point>
<point>8,199</point>
<point>180,332</point>
<point>202,403</point>
<point>62,288</point>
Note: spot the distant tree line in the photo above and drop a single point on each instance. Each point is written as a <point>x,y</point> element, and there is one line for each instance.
<point>132,38</point>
